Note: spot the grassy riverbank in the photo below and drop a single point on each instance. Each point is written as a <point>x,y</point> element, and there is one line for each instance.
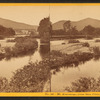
<point>23,46</point>
<point>80,45</point>
<point>31,78</point>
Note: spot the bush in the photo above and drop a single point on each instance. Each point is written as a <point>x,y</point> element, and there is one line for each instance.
<point>2,55</point>
<point>73,41</point>
<point>97,40</point>
<point>96,51</point>
<point>8,51</point>
<point>31,78</point>
<point>23,46</point>
<point>3,84</point>
<point>86,44</point>
<point>84,84</point>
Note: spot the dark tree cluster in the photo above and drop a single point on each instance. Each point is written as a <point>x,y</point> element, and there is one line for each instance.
<point>6,31</point>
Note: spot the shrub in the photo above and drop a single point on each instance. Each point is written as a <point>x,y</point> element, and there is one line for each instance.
<point>86,44</point>
<point>8,51</point>
<point>31,78</point>
<point>84,84</point>
<point>96,51</point>
<point>2,55</point>
<point>97,40</point>
<point>3,84</point>
<point>73,41</point>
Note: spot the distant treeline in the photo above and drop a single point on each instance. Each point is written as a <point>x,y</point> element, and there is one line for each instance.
<point>6,31</point>
<point>88,30</point>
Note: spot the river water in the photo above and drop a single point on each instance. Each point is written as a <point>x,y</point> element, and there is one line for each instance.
<point>7,67</point>
<point>61,79</point>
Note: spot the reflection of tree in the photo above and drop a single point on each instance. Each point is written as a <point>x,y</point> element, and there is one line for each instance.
<point>44,50</point>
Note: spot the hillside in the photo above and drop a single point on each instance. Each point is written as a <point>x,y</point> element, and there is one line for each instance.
<point>16,25</point>
<point>79,24</point>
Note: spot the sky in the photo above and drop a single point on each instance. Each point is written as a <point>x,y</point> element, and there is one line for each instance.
<point>33,14</point>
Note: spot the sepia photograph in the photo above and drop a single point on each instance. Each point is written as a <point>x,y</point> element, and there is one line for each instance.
<point>50,48</point>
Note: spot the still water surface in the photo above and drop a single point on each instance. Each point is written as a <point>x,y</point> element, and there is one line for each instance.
<point>63,78</point>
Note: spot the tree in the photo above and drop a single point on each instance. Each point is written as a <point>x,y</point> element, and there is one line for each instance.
<point>44,27</point>
<point>73,31</point>
<point>88,30</point>
<point>67,25</point>
<point>6,31</point>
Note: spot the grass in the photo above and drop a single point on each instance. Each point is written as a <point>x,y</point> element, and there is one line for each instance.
<point>85,84</point>
<point>58,59</point>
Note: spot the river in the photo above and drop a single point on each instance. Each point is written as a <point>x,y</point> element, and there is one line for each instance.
<point>61,79</point>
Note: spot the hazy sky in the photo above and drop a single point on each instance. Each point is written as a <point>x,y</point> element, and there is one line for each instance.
<point>33,14</point>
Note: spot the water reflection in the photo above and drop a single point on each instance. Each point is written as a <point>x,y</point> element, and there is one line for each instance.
<point>67,74</point>
<point>73,65</point>
<point>44,50</point>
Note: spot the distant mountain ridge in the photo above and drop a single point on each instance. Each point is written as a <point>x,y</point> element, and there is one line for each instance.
<point>79,24</point>
<point>16,25</point>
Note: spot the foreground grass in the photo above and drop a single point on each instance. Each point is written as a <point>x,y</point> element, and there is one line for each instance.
<point>31,78</point>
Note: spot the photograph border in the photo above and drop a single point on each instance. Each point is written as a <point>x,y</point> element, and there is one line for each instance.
<point>51,94</point>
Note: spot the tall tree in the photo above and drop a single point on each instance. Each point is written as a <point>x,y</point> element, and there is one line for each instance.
<point>67,25</point>
<point>44,27</point>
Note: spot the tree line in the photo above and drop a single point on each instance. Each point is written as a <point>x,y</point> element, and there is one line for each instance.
<point>68,29</point>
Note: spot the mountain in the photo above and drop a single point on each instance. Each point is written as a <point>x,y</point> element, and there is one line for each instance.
<point>79,24</point>
<point>16,25</point>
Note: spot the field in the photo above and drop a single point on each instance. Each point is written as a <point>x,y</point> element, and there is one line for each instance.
<point>70,48</point>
